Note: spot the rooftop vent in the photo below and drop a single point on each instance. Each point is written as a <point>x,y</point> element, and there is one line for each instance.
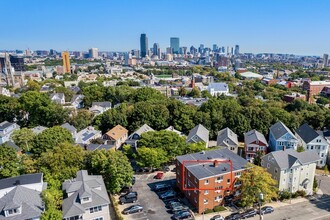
<point>203,152</point>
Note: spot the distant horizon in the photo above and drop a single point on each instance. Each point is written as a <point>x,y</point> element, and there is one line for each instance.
<point>274,26</point>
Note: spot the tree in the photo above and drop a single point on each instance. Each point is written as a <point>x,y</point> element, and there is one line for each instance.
<point>195,147</point>
<point>114,167</point>
<point>195,93</point>
<point>9,162</point>
<point>206,94</point>
<point>300,149</point>
<point>23,138</point>
<point>183,91</point>
<point>9,108</point>
<point>147,94</point>
<point>82,119</point>
<point>257,159</point>
<point>33,85</point>
<point>257,180</point>
<point>151,157</point>
<point>50,138</point>
<point>172,143</point>
<point>29,165</point>
<point>67,92</point>
<point>127,150</point>
<point>61,163</point>
<point>93,93</point>
<point>51,214</point>
<point>322,101</point>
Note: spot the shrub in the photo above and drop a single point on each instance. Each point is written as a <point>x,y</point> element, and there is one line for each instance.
<point>208,211</point>
<point>301,193</point>
<point>284,195</point>
<point>219,208</point>
<point>294,195</point>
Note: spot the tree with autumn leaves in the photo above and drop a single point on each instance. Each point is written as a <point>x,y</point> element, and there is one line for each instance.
<point>256,180</point>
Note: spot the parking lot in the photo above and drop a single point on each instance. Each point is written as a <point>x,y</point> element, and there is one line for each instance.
<point>154,207</point>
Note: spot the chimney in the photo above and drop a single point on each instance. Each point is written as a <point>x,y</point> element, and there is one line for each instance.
<point>215,163</point>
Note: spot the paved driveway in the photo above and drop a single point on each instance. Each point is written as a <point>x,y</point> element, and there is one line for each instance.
<point>324,184</point>
<point>154,208</point>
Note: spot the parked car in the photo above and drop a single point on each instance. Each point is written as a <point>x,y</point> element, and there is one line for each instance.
<point>129,197</point>
<point>159,175</point>
<point>168,195</point>
<point>182,215</point>
<point>178,208</point>
<point>126,189</point>
<point>266,210</point>
<point>233,216</point>
<point>133,209</point>
<point>162,187</point>
<point>174,204</point>
<point>217,217</point>
<point>166,168</point>
<point>228,200</point>
<point>248,214</point>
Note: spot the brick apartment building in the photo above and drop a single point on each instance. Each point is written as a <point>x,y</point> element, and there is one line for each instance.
<point>314,88</point>
<point>212,177</point>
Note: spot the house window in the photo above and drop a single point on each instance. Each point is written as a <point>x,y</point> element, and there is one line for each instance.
<point>219,179</point>
<point>228,181</point>
<point>206,182</point>
<point>283,180</point>
<point>95,209</point>
<point>323,147</point>
<point>284,171</point>
<point>188,173</point>
<point>238,174</point>
<point>206,192</point>
<point>195,180</point>
<point>322,155</point>
<point>195,200</point>
<point>217,198</point>
<point>268,165</point>
<point>307,147</point>
<point>195,191</point>
<point>312,147</point>
<point>206,201</point>
<point>321,162</point>
<point>275,170</point>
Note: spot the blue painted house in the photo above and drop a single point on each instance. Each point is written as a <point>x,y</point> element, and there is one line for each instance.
<point>281,138</point>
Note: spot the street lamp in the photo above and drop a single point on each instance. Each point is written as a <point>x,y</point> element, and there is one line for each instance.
<point>261,197</point>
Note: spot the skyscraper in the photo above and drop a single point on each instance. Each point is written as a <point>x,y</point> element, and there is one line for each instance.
<point>66,62</point>
<point>93,53</point>
<point>325,60</point>
<point>175,44</point>
<point>236,50</point>
<point>215,47</point>
<point>144,45</point>
<point>155,49</point>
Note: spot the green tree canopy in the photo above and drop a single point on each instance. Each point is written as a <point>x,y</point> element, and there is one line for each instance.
<point>50,138</point>
<point>9,162</point>
<point>9,108</point>
<point>114,167</point>
<point>151,157</point>
<point>257,180</point>
<point>82,119</point>
<point>23,138</point>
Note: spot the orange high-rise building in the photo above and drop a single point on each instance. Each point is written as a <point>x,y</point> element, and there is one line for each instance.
<point>66,62</point>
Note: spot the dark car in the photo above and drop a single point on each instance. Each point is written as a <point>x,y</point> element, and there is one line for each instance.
<point>228,199</point>
<point>129,197</point>
<point>248,214</point>
<point>162,187</point>
<point>182,215</point>
<point>133,209</point>
<point>168,195</point>
<point>126,189</point>
<point>267,209</point>
<point>179,208</point>
<point>166,168</point>
<point>233,216</point>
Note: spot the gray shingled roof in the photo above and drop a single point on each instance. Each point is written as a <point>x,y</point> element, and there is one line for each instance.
<point>142,129</point>
<point>279,129</point>
<point>207,169</point>
<point>254,135</point>
<point>224,134</point>
<point>102,104</point>
<point>218,86</point>
<point>200,131</point>
<point>83,185</point>
<point>307,133</point>
<point>285,159</point>
<point>20,196</point>
<point>69,127</point>
<point>4,125</point>
<point>21,180</point>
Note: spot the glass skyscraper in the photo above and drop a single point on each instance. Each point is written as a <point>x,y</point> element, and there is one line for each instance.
<point>143,45</point>
<point>175,44</point>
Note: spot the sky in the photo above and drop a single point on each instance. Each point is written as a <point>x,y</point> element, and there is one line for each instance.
<point>278,26</point>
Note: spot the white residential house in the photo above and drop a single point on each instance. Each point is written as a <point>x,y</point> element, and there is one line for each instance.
<point>58,98</point>
<point>77,101</point>
<point>100,107</point>
<point>292,170</point>
<point>217,89</point>
<point>4,91</point>
<point>198,134</point>
<point>6,129</point>
<point>87,135</point>
<point>228,139</point>
<point>313,141</point>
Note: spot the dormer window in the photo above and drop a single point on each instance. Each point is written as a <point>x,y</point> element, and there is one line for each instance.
<point>11,212</point>
<point>85,200</point>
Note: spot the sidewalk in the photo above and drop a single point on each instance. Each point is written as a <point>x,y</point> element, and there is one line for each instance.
<point>273,204</point>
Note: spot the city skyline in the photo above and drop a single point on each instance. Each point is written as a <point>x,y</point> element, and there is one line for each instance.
<point>294,27</point>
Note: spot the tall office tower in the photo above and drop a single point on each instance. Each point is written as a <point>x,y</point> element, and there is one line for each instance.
<point>169,50</point>
<point>93,53</point>
<point>159,52</point>
<point>236,50</point>
<point>223,49</point>
<point>232,51</point>
<point>66,62</point>
<point>144,45</point>
<point>325,60</point>
<point>175,44</point>
<point>52,52</point>
<point>192,50</point>
<point>201,48</point>
<point>215,47</point>
<point>183,50</point>
<point>17,62</point>
<point>228,50</point>
<point>155,49</point>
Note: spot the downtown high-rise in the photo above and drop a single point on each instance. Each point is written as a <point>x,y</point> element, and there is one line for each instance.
<point>143,45</point>
<point>175,44</point>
